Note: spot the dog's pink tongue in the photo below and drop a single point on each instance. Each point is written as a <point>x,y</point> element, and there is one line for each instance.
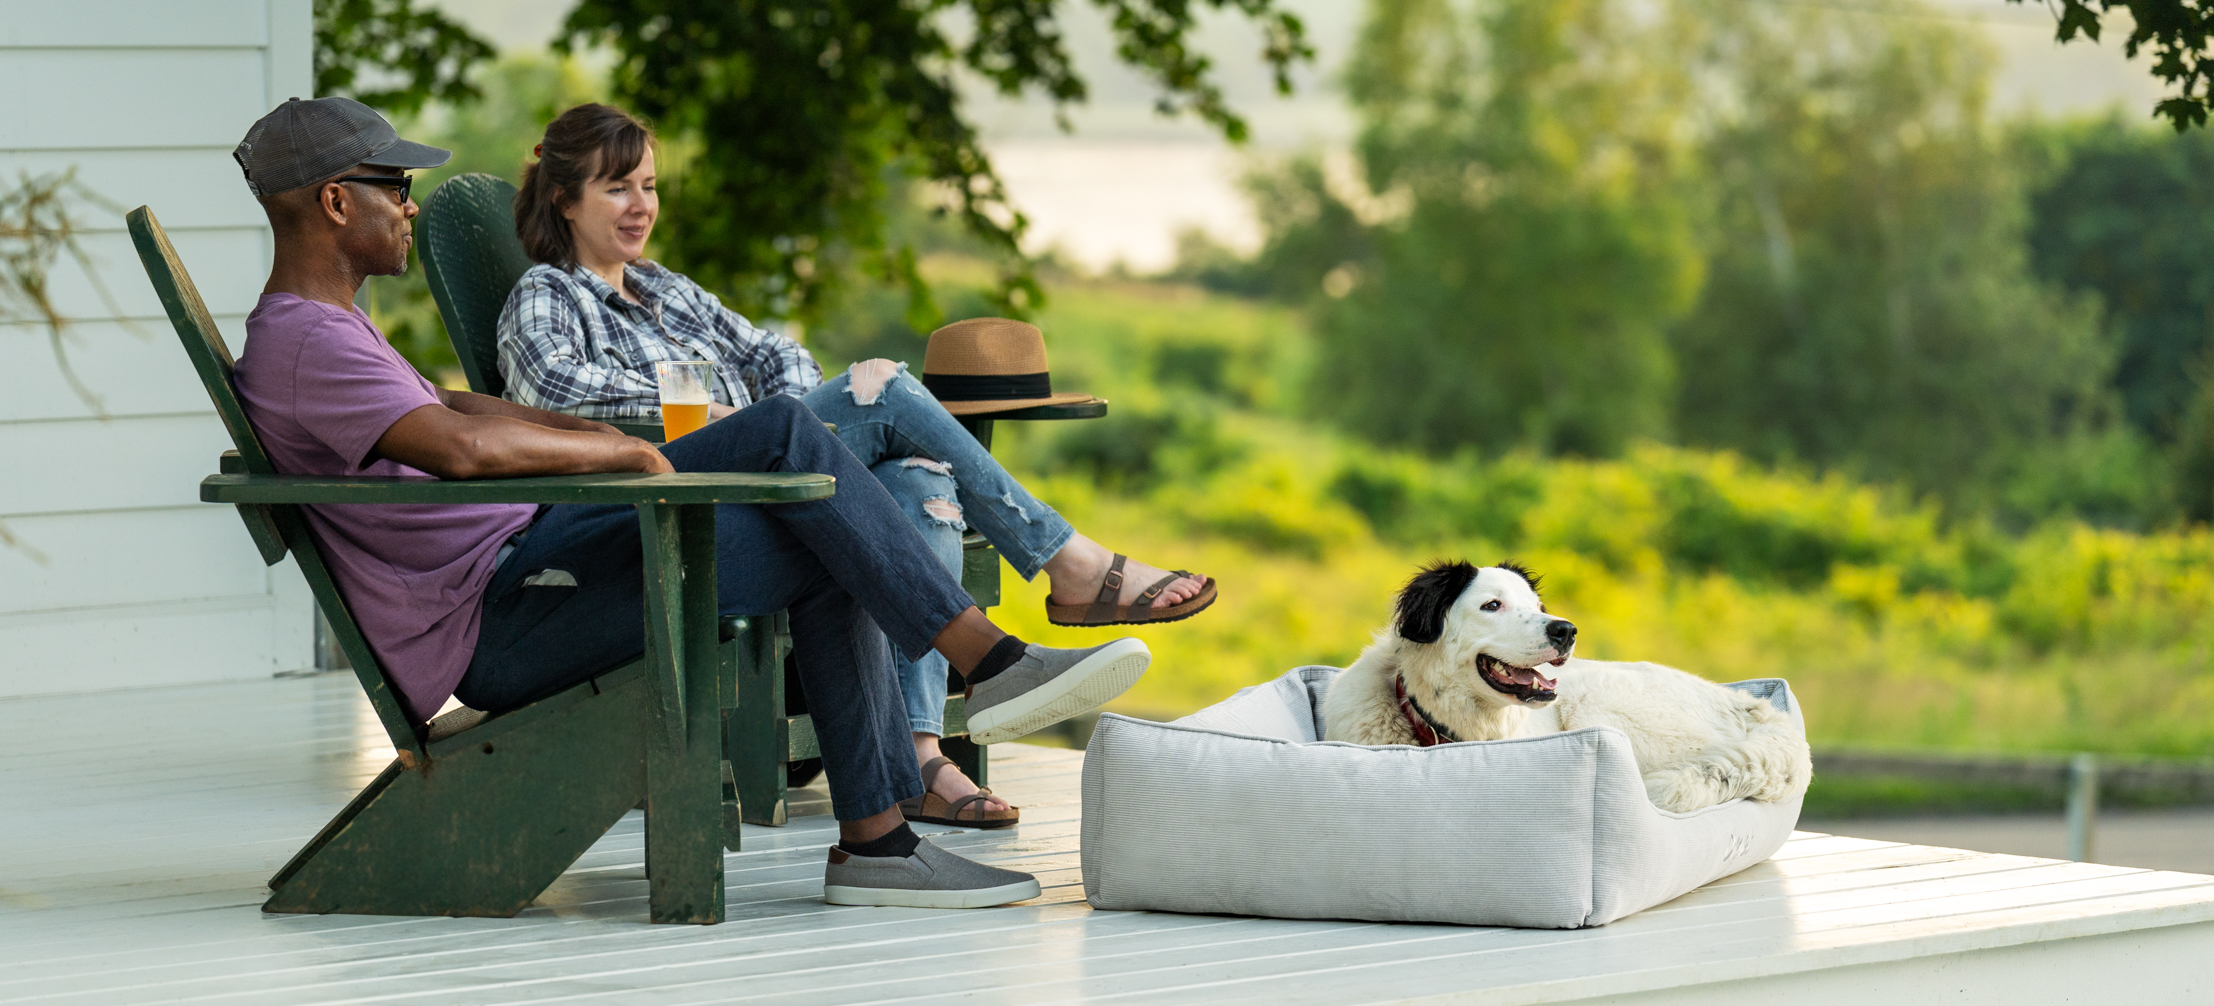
<point>1545,683</point>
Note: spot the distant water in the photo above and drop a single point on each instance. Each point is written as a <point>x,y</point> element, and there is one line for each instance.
<point>1104,201</point>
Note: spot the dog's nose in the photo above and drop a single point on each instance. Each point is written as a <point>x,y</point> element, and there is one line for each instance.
<point>1561,633</point>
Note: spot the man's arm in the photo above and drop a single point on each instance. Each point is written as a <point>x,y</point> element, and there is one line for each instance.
<point>453,444</point>
<point>469,403</point>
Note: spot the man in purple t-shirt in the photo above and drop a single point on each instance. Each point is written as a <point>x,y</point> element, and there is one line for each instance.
<point>503,604</point>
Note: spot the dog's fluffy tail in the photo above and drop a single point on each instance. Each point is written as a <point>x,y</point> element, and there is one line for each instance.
<point>1770,761</point>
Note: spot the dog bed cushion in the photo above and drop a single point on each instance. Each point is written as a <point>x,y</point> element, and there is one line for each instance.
<point>1242,809</point>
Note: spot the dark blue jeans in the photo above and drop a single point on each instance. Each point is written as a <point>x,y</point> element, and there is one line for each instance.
<point>851,569</point>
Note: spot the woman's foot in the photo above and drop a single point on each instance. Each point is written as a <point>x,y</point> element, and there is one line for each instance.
<point>951,784</point>
<point>1079,569</point>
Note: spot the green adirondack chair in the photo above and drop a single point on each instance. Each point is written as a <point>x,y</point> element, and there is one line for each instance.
<point>466,237</point>
<point>477,816</point>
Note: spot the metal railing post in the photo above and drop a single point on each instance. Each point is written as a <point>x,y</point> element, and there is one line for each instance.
<point>2083,806</point>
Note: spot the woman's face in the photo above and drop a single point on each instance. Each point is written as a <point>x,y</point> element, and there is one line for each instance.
<point>612,217</point>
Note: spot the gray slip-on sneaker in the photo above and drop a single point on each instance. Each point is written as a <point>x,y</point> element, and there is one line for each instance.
<point>931,878</point>
<point>1049,685</point>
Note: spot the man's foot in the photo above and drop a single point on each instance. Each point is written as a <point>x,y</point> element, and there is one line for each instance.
<point>1049,685</point>
<point>931,878</point>
<point>1080,568</point>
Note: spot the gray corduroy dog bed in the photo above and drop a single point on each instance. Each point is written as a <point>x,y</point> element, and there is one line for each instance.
<point>1241,809</point>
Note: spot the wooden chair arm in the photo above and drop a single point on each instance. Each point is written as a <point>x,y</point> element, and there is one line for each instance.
<point>681,488</point>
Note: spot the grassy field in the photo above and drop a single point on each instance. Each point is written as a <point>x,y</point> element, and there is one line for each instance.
<point>1897,627</point>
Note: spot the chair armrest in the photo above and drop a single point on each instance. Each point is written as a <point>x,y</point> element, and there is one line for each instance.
<point>678,488</point>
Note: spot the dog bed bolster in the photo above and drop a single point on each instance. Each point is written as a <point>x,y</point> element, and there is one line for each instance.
<point>1242,809</point>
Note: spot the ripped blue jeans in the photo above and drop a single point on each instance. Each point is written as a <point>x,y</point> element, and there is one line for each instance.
<point>946,483</point>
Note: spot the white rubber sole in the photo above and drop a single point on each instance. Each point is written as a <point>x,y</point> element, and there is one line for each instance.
<point>1092,683</point>
<point>888,897</point>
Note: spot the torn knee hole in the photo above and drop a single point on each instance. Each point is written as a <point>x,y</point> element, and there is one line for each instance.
<point>928,465</point>
<point>943,510</point>
<point>865,380</point>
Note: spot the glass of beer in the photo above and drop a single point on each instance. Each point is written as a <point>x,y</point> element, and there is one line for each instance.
<point>684,396</point>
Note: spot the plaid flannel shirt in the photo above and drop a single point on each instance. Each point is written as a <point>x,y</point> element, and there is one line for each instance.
<point>570,343</point>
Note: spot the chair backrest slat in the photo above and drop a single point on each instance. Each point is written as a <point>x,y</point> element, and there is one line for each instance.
<point>466,236</point>
<point>196,327</point>
<point>211,356</point>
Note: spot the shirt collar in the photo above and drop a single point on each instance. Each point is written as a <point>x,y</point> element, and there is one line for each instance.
<point>648,280</point>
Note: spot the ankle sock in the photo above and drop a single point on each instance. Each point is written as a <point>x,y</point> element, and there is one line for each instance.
<point>1002,656</point>
<point>899,843</point>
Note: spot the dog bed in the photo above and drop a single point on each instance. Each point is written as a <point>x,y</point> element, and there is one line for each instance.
<point>1241,809</point>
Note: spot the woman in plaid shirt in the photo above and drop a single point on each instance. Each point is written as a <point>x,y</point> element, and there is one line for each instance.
<point>582,330</point>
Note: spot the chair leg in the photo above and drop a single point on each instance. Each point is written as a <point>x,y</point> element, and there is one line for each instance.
<point>756,741</point>
<point>483,829</point>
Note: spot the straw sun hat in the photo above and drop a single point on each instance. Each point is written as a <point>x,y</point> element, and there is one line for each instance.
<point>991,365</point>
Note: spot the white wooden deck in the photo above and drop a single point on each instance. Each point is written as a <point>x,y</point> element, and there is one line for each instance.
<point>137,830</point>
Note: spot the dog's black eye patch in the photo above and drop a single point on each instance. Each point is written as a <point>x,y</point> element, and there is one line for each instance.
<point>1426,598</point>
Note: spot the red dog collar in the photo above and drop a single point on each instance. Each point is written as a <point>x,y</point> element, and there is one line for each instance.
<point>1427,732</point>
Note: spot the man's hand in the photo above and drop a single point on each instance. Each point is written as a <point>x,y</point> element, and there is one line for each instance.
<point>717,410</point>
<point>456,445</point>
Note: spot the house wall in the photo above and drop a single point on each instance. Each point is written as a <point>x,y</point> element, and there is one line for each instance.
<point>117,577</point>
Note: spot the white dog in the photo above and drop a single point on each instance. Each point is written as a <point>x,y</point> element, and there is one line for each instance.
<point>1459,662</point>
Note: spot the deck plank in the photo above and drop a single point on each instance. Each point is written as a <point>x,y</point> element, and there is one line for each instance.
<point>136,857</point>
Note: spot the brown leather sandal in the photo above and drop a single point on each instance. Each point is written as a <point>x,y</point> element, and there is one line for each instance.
<point>1106,612</point>
<point>967,812</point>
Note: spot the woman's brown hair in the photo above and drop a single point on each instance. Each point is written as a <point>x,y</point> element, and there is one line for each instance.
<point>582,145</point>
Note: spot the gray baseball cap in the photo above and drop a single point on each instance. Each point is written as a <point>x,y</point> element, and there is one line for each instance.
<point>305,142</point>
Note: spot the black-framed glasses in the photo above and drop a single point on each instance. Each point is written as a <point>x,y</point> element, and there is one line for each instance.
<point>404,183</point>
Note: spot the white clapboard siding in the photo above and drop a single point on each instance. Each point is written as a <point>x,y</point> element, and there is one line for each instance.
<point>229,265</point>
<point>188,193</point>
<point>134,369</point>
<point>117,576</point>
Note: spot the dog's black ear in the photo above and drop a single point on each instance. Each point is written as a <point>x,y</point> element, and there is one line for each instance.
<point>1426,598</point>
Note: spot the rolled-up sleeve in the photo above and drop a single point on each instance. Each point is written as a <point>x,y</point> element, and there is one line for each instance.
<point>545,359</point>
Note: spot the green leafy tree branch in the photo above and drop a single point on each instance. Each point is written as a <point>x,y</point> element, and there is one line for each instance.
<point>2178,31</point>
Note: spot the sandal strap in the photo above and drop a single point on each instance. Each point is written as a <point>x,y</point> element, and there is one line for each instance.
<point>931,769</point>
<point>1110,589</point>
<point>1146,599</point>
<point>954,811</point>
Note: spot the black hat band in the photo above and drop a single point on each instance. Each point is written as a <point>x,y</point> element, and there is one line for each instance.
<point>988,387</point>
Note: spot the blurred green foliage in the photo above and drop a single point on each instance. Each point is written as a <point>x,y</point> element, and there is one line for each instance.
<point>1787,230</point>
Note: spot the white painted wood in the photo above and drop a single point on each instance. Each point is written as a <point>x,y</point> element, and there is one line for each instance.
<point>228,265</point>
<point>125,463</point>
<point>189,188</point>
<point>143,24</point>
<point>91,99</point>
<point>134,369</point>
<point>93,560</point>
<point>98,907</point>
<point>2148,967</point>
<point>121,578</point>
<point>152,645</point>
